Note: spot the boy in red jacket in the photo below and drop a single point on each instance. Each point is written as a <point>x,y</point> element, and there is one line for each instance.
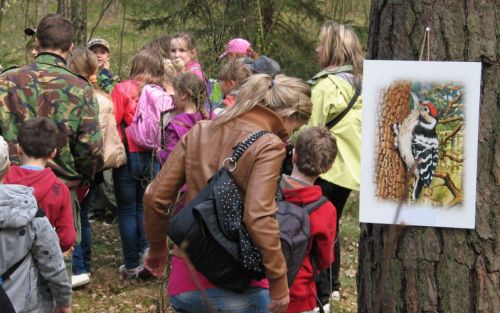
<point>38,139</point>
<point>313,155</point>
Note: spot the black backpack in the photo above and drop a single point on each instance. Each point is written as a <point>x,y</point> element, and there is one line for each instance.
<point>295,232</point>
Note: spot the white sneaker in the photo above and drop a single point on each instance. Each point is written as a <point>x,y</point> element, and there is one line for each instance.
<point>80,280</point>
<point>335,296</point>
<point>129,273</point>
<point>326,308</point>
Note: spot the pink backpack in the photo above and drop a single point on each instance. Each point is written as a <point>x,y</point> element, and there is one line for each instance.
<point>145,129</point>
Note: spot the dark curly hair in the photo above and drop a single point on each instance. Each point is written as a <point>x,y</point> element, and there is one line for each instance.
<point>315,151</point>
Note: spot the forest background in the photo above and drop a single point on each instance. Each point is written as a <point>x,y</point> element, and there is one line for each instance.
<point>285,30</point>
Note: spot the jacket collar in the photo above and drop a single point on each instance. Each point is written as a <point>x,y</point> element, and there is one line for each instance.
<point>50,59</point>
<point>326,72</point>
<point>267,120</point>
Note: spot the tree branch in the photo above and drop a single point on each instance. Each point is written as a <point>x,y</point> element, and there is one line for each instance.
<point>453,157</point>
<point>451,120</point>
<point>457,193</point>
<point>452,134</point>
<point>451,104</point>
<point>101,15</point>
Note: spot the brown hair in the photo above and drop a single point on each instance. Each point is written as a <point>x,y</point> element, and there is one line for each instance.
<point>236,71</point>
<point>315,150</point>
<point>289,97</point>
<point>148,67</point>
<point>190,42</point>
<point>55,32</point>
<point>84,62</point>
<point>340,46</point>
<point>161,43</point>
<point>38,137</point>
<point>190,84</point>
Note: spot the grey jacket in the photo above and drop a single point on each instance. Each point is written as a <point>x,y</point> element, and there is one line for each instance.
<point>40,282</point>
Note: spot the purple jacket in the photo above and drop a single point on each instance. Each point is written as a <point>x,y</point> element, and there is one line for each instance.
<point>179,126</point>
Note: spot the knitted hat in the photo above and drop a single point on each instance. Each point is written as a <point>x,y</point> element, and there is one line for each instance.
<point>4,154</point>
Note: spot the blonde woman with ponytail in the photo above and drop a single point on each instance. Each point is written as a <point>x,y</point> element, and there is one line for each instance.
<point>279,106</point>
<point>336,101</point>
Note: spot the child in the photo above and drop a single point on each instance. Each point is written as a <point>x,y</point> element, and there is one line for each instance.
<point>183,48</point>
<point>38,140</point>
<point>189,97</point>
<point>314,154</point>
<point>238,48</point>
<point>85,63</point>
<point>265,65</point>
<point>130,180</point>
<point>28,250</point>
<point>101,49</point>
<point>231,76</point>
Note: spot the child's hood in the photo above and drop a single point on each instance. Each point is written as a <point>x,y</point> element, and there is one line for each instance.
<point>17,206</point>
<point>42,181</point>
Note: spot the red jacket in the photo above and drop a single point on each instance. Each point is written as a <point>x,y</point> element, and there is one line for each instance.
<point>323,230</point>
<point>125,96</point>
<point>53,197</point>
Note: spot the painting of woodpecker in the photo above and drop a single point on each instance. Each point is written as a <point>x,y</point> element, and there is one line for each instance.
<point>417,143</point>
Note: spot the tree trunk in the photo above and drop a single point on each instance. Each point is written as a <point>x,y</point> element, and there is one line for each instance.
<point>439,269</point>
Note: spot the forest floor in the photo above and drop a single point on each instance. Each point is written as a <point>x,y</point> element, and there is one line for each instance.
<point>108,293</point>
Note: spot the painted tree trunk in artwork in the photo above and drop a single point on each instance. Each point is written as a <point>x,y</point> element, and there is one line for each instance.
<point>390,176</point>
<point>438,269</point>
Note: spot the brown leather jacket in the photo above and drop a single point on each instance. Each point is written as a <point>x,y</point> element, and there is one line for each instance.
<point>199,155</point>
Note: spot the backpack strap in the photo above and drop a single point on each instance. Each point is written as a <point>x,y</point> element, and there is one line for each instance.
<point>313,206</point>
<point>243,146</point>
<point>339,117</point>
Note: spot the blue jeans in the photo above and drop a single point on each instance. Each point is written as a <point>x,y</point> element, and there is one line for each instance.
<point>253,300</point>
<point>130,182</point>
<point>82,252</point>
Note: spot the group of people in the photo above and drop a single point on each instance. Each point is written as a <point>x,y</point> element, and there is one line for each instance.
<point>163,132</point>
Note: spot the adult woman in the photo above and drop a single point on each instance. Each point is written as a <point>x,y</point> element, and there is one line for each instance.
<point>279,106</point>
<point>339,53</point>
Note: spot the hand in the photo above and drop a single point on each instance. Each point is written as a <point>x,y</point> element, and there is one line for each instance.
<point>279,305</point>
<point>156,261</point>
<point>63,309</point>
<point>105,64</point>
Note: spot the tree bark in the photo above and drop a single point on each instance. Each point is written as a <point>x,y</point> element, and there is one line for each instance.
<point>439,269</point>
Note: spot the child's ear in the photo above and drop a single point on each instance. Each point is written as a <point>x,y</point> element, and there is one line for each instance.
<point>194,52</point>
<point>20,150</point>
<point>53,154</point>
<point>295,158</point>
<point>232,83</point>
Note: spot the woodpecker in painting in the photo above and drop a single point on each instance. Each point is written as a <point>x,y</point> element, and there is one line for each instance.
<point>417,142</point>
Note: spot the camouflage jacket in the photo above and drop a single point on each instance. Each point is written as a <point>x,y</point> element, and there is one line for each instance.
<point>106,80</point>
<point>46,88</point>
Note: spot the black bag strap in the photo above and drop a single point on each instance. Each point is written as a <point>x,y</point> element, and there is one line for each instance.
<point>339,117</point>
<point>243,146</point>
<point>313,206</point>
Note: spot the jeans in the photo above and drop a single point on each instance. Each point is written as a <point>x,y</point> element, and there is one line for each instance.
<point>82,252</point>
<point>328,280</point>
<point>253,300</point>
<point>130,183</point>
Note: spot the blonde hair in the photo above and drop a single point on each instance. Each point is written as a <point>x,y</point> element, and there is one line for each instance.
<point>84,62</point>
<point>340,46</point>
<point>190,84</point>
<point>289,97</point>
<point>236,71</point>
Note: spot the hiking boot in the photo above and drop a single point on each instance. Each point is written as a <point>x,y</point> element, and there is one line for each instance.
<point>80,280</point>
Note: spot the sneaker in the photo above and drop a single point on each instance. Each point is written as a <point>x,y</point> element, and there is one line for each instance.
<point>326,308</point>
<point>335,296</point>
<point>129,273</point>
<point>80,280</point>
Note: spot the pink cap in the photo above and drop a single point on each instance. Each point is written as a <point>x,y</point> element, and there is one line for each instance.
<point>236,45</point>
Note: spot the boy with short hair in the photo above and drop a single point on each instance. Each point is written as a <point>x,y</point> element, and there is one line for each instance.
<point>104,77</point>
<point>38,139</point>
<point>33,273</point>
<point>314,153</point>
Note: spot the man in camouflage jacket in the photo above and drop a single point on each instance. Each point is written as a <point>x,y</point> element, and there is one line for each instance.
<point>47,88</point>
